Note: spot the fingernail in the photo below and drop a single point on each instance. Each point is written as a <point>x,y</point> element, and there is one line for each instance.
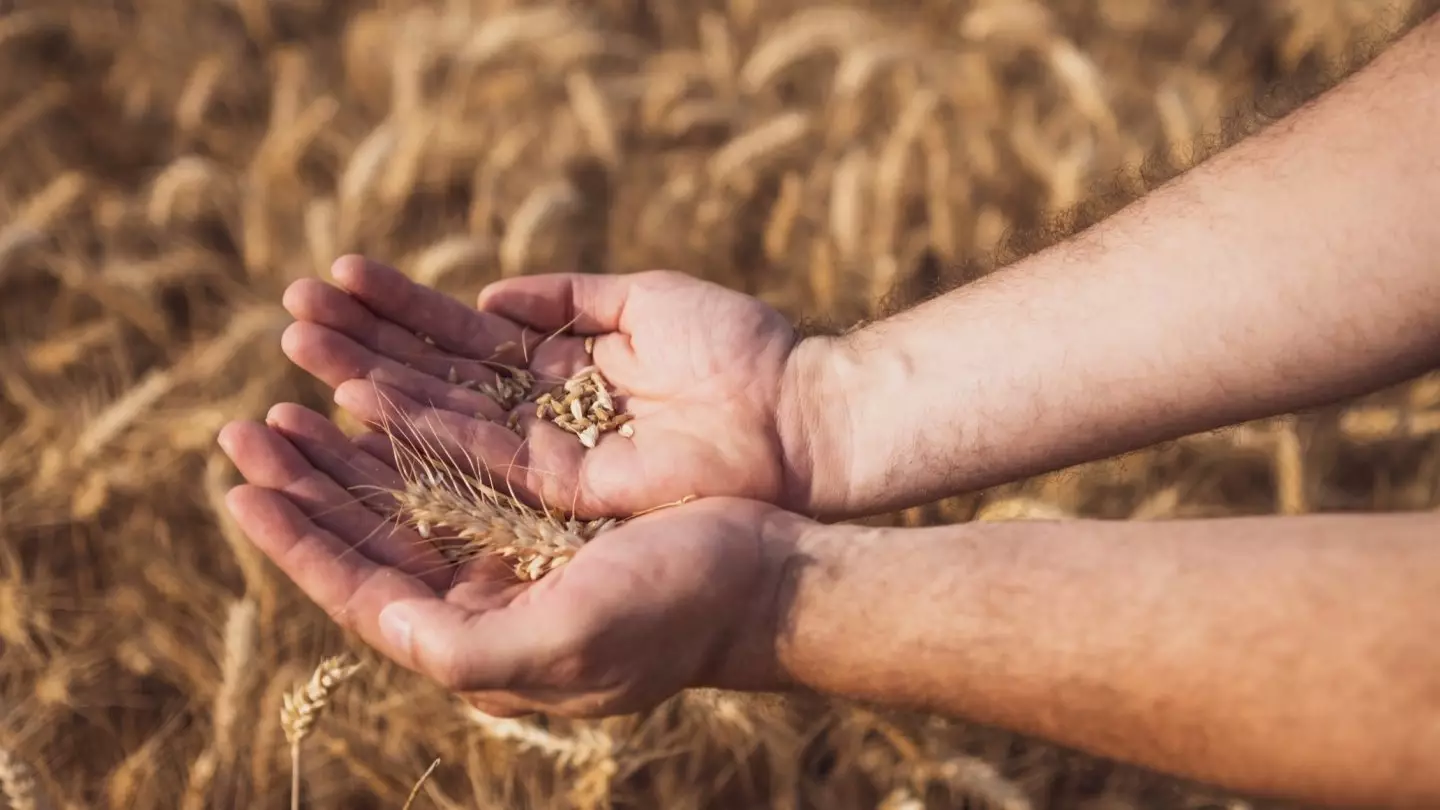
<point>396,628</point>
<point>343,396</point>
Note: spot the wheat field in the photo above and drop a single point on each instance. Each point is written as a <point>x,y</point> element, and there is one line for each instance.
<point>168,166</point>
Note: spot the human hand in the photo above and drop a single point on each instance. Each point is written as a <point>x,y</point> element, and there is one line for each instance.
<point>720,386</point>
<point>680,598</point>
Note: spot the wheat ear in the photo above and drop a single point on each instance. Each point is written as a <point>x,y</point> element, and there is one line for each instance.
<point>441,502</point>
<point>17,784</point>
<point>591,755</point>
<point>305,705</point>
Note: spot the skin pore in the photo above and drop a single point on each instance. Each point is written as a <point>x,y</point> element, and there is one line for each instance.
<point>1294,657</point>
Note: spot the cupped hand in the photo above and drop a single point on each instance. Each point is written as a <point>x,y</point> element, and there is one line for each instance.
<point>719,393</point>
<point>679,598</point>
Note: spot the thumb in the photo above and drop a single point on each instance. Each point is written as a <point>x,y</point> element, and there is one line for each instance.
<point>588,304</point>
<point>461,650</point>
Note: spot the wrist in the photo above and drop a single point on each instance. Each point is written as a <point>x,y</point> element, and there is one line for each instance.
<point>810,567</point>
<point>820,392</point>
<point>845,418</point>
<point>747,658</point>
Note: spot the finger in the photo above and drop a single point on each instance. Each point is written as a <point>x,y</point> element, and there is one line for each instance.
<point>380,447</point>
<point>481,584</point>
<point>541,469</point>
<point>437,435</point>
<point>334,358</point>
<point>364,475</point>
<point>557,359</point>
<point>487,707</point>
<point>267,459</point>
<point>337,455</point>
<point>586,304</point>
<point>350,588</point>
<point>315,302</point>
<point>583,704</point>
<point>498,650</point>
<point>454,326</point>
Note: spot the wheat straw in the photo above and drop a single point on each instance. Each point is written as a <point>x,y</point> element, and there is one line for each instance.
<point>415,791</point>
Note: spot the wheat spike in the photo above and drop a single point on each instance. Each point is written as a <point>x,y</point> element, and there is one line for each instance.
<point>303,707</point>
<point>774,135</point>
<point>587,747</point>
<point>486,522</point>
<point>17,784</point>
<point>306,703</point>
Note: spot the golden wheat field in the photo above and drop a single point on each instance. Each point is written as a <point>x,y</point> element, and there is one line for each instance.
<point>168,166</point>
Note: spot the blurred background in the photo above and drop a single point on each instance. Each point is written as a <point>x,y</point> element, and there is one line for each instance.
<point>168,166</point>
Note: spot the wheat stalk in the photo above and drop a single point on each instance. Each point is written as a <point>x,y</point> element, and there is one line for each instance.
<point>415,791</point>
<point>303,706</point>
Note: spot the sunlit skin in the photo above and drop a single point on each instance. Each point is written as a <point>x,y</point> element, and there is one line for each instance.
<point>1285,656</point>
<point>702,368</point>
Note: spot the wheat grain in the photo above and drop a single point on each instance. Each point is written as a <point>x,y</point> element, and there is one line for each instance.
<point>584,406</point>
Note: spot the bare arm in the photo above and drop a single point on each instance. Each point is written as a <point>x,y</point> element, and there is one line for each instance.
<point>1285,656</point>
<point>1297,268</point>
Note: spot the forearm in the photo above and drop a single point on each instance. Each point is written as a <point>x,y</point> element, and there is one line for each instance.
<point>1275,656</point>
<point>1297,268</point>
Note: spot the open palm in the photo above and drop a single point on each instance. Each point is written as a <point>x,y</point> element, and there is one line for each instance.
<point>670,601</point>
<point>705,372</point>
